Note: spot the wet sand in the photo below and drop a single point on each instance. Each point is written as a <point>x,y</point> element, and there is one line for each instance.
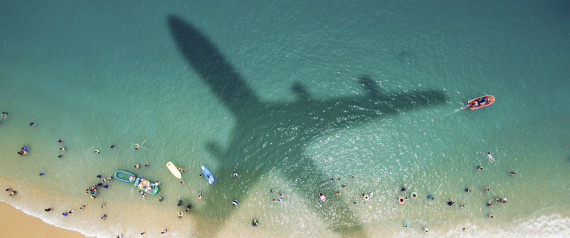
<point>15,223</point>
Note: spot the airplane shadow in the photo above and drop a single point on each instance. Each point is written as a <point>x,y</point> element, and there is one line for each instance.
<point>273,135</point>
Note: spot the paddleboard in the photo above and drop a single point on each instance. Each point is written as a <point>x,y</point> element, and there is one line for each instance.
<point>207,174</point>
<point>174,170</point>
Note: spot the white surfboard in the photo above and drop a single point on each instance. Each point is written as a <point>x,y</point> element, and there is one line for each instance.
<point>174,170</point>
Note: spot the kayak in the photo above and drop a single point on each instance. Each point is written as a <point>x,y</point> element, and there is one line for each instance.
<point>207,174</point>
<point>174,170</point>
<point>146,186</point>
<point>480,102</point>
<point>125,176</point>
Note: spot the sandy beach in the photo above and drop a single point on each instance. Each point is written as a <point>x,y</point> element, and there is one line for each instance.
<point>15,223</point>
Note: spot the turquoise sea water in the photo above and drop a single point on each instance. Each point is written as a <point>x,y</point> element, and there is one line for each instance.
<point>288,95</point>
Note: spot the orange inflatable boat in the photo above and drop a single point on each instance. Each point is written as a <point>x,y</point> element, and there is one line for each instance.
<point>480,102</point>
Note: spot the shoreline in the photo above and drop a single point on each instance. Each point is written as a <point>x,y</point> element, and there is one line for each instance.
<point>16,223</point>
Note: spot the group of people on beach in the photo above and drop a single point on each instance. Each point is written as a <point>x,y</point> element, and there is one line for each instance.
<point>11,191</point>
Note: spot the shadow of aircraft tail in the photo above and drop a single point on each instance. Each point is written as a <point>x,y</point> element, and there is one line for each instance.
<point>273,135</point>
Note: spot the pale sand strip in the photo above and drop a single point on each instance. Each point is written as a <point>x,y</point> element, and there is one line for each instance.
<point>15,223</point>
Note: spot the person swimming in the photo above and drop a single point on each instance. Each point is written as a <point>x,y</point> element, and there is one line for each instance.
<point>490,157</point>
<point>139,146</point>
<point>322,197</point>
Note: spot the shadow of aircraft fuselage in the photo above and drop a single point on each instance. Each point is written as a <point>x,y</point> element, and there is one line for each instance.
<point>273,135</point>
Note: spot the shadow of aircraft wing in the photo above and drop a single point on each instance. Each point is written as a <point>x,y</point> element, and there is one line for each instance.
<point>343,112</point>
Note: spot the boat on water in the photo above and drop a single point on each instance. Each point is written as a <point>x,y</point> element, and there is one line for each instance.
<point>480,102</point>
<point>146,186</point>
<point>125,176</point>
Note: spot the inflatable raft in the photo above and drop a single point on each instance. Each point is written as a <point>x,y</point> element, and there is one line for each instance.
<point>480,102</point>
<point>125,176</point>
<point>146,186</point>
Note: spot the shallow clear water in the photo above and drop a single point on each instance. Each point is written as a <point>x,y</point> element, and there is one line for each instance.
<point>289,95</point>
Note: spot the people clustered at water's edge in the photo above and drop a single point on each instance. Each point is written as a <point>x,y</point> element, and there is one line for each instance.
<point>93,189</point>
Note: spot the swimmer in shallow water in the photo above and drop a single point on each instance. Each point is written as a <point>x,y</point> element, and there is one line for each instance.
<point>322,197</point>
<point>512,173</point>
<point>4,115</point>
<point>139,146</point>
<point>490,157</point>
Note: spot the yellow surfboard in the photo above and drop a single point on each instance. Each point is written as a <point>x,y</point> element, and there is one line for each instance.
<point>174,170</point>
